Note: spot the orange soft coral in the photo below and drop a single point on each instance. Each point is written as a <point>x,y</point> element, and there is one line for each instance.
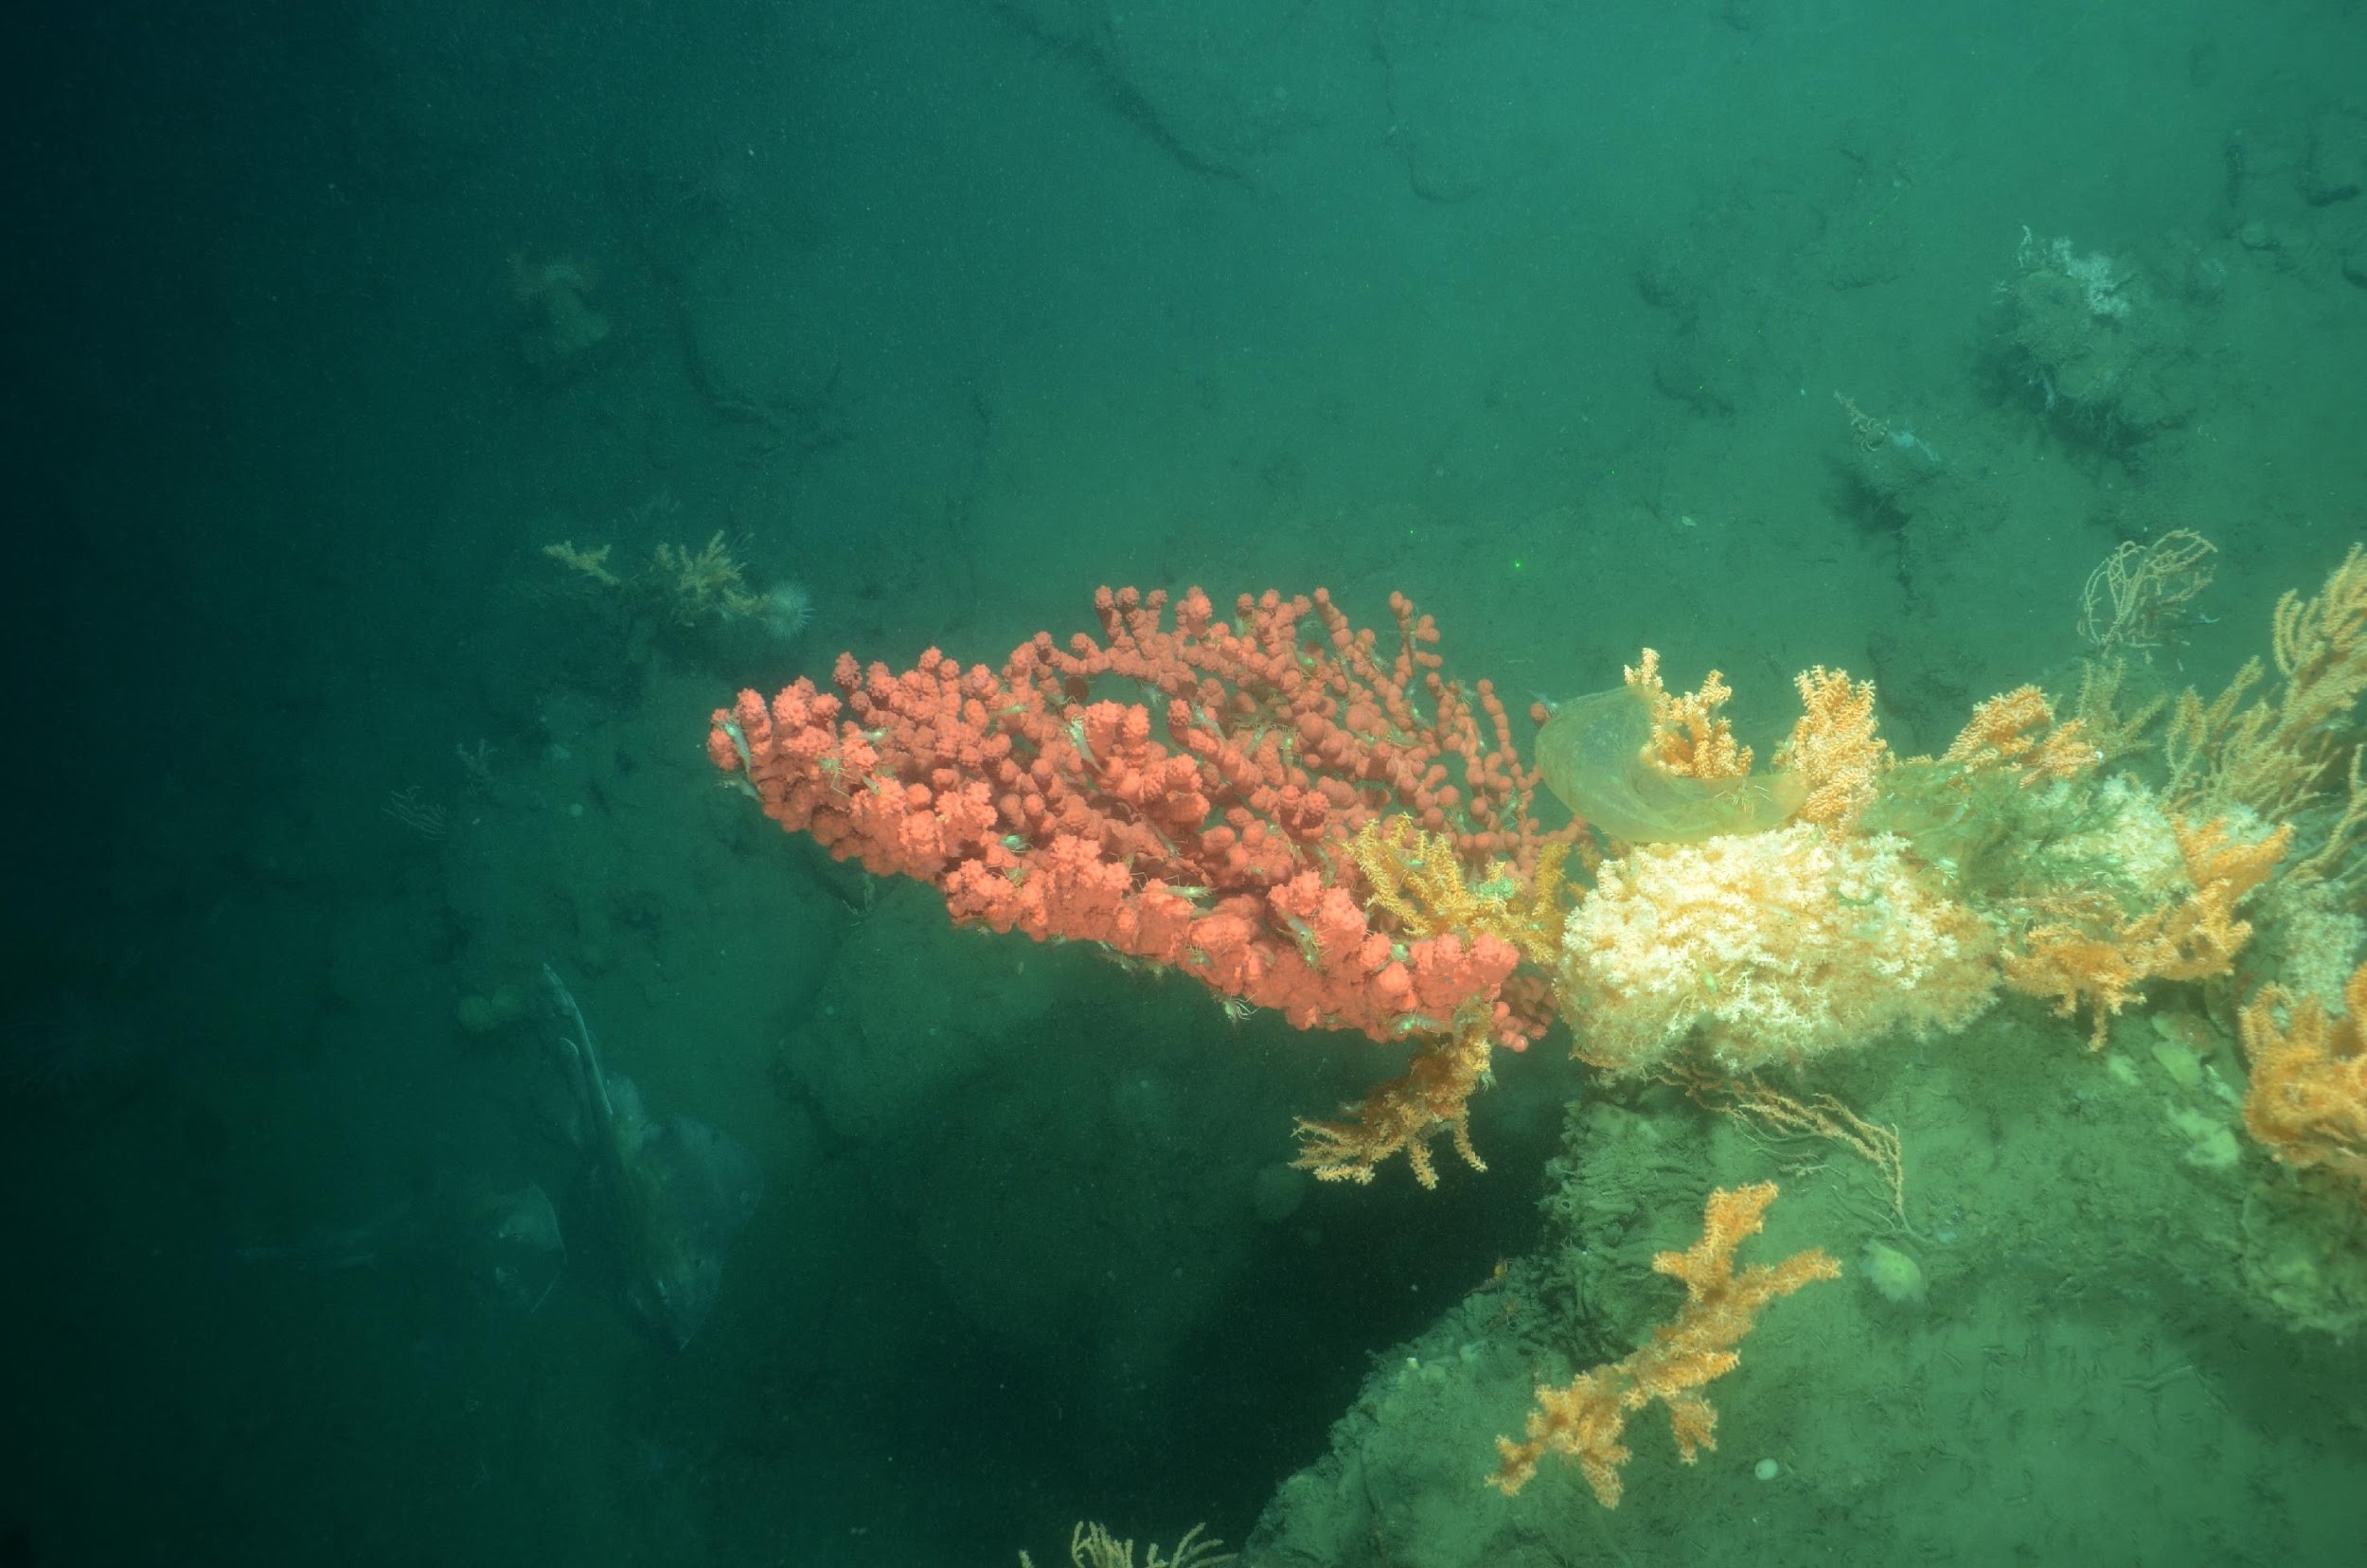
<point>2307,1103</point>
<point>1586,1420</point>
<point>2088,951</point>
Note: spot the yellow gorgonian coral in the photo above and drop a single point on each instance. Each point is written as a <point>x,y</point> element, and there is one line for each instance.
<point>1834,747</point>
<point>1414,876</point>
<point>2307,1103</point>
<point>2017,729</point>
<point>1689,739</point>
<point>1587,1421</point>
<point>1772,946</point>
<point>2085,948</point>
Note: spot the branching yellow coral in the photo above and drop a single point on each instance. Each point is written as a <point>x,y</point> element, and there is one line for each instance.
<point>2087,949</point>
<point>1416,877</point>
<point>1587,1421</point>
<point>1833,746</point>
<point>2018,729</point>
<point>2307,1103</point>
<point>1776,946</point>
<point>1689,739</point>
<point>2278,756</point>
<point>1402,1116</point>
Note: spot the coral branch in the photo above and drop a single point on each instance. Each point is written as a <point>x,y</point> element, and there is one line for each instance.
<point>2138,598</point>
<point>1585,1421</point>
<point>2284,754</point>
<point>2307,1103</point>
<point>1689,738</point>
<point>1778,1116</point>
<point>1091,1545</point>
<point>2085,953</point>
<point>2018,729</point>
<point>1402,1116</point>
<point>1833,746</point>
<point>1213,837</point>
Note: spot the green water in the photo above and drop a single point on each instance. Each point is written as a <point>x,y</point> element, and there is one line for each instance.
<point>326,319</point>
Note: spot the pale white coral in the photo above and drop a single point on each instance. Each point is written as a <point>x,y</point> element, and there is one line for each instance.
<point>2314,939</point>
<point>2130,835</point>
<point>2094,275</point>
<point>2101,288</point>
<point>1773,946</point>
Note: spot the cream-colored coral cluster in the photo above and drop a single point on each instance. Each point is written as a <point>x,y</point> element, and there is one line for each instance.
<point>2128,837</point>
<point>1776,946</point>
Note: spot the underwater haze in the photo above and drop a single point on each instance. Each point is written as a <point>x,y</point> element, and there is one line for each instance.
<point>445,1119</point>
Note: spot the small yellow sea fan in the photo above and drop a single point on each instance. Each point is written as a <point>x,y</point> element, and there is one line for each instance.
<point>1689,739</point>
<point>1834,746</point>
<point>1774,945</point>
